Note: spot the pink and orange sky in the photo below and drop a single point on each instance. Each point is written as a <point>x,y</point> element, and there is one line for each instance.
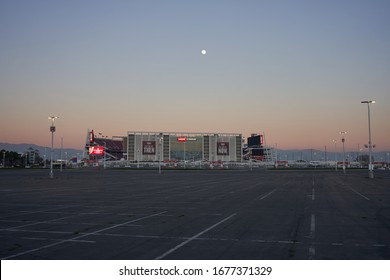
<point>295,70</point>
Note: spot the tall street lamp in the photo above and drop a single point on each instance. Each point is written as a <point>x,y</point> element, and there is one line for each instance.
<point>335,152</point>
<point>104,155</point>
<point>52,130</point>
<point>343,140</point>
<point>370,166</point>
<point>160,150</point>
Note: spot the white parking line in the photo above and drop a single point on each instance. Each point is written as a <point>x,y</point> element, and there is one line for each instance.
<point>81,236</point>
<point>379,245</point>
<point>193,237</point>
<point>358,193</point>
<point>313,191</point>
<point>312,250</point>
<point>268,194</point>
<point>34,212</point>
<point>41,231</point>
<point>52,239</point>
<point>40,222</point>
<point>312,225</point>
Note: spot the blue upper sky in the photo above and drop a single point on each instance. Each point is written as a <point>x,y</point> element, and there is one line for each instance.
<point>296,70</point>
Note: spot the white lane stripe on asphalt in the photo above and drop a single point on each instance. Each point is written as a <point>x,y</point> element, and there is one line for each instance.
<point>40,222</point>
<point>268,194</point>
<point>312,225</point>
<point>53,239</point>
<point>313,193</point>
<point>312,250</point>
<point>80,236</point>
<point>193,237</point>
<point>358,193</point>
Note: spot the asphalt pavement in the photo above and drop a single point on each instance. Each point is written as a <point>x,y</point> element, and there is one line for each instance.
<point>195,214</point>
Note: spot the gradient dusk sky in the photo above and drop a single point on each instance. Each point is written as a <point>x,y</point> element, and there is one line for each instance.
<point>296,70</point>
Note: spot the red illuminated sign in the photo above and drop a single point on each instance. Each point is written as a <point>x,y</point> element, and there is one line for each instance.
<point>96,150</point>
<point>91,137</point>
<point>181,139</point>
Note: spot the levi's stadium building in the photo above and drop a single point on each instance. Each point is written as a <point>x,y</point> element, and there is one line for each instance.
<point>184,146</point>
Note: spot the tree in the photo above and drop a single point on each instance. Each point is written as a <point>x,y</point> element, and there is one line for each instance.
<point>10,158</point>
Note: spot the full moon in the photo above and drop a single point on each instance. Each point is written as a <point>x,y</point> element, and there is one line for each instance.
<point>203,51</point>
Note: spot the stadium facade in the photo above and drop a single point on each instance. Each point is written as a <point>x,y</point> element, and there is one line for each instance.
<point>184,146</point>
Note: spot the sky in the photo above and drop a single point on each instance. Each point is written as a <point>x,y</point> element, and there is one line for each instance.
<point>296,71</point>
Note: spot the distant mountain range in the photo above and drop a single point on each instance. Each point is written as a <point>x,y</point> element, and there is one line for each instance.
<point>22,148</point>
<point>304,154</point>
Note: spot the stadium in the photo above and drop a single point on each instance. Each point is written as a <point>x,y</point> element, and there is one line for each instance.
<point>184,146</point>
<point>174,147</point>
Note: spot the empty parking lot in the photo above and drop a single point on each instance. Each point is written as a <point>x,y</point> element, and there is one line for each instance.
<point>140,214</point>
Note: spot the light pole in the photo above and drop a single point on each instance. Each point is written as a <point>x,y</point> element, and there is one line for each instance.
<point>137,158</point>
<point>343,140</point>
<point>160,140</point>
<point>250,158</point>
<point>104,155</point>
<point>370,167</point>
<point>52,130</point>
<point>335,152</point>
<point>44,163</point>
<point>62,145</point>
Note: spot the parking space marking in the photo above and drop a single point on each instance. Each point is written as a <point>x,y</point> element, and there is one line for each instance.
<point>265,196</point>
<point>358,193</point>
<point>312,225</point>
<point>312,250</point>
<point>40,222</point>
<point>313,191</point>
<point>41,231</point>
<point>52,239</point>
<point>81,236</point>
<point>207,204</point>
<point>34,212</point>
<point>193,238</point>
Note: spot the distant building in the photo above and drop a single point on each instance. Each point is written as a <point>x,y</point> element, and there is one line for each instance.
<point>255,149</point>
<point>97,145</point>
<point>144,146</point>
<point>184,146</point>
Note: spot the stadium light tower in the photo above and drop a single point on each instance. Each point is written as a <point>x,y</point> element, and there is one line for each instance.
<point>160,149</point>
<point>104,155</point>
<point>343,140</point>
<point>335,152</point>
<point>52,130</point>
<point>370,167</point>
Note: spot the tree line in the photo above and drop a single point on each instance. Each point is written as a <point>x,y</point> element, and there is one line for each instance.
<point>30,158</point>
